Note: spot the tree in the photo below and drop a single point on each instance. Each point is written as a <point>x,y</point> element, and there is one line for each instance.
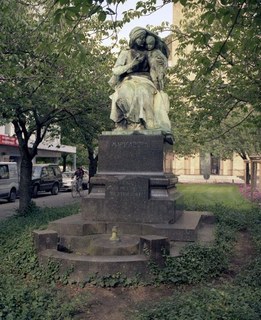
<point>86,138</point>
<point>216,81</point>
<point>83,128</point>
<point>106,11</point>
<point>42,80</point>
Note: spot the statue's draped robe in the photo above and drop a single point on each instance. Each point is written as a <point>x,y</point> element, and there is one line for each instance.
<point>136,98</point>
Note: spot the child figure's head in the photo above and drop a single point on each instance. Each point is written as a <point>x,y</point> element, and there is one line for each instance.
<point>150,42</point>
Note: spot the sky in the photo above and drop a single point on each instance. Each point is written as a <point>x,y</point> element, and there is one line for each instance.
<point>155,19</point>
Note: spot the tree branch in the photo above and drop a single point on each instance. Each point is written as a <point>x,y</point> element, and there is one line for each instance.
<point>231,109</point>
<point>230,128</point>
<point>228,36</point>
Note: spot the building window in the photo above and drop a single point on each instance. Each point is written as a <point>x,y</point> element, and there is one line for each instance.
<point>205,164</point>
<point>209,164</point>
<point>215,165</point>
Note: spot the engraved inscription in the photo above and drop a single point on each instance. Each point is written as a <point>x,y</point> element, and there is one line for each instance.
<point>118,147</point>
<point>127,189</point>
<point>128,144</point>
<point>130,153</point>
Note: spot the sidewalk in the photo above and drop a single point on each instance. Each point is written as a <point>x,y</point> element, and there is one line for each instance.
<point>193,178</point>
<point>8,209</point>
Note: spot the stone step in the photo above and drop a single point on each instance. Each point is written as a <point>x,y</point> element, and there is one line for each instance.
<point>206,234</point>
<point>75,226</point>
<point>185,229</point>
<point>86,261</point>
<point>100,245</point>
<point>85,266</point>
<point>205,237</point>
<point>176,247</point>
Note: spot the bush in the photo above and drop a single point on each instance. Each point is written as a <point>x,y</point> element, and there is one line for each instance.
<point>230,303</point>
<point>18,301</point>
<point>196,263</point>
<point>27,290</point>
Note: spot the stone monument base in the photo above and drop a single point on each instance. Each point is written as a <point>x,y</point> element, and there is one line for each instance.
<point>86,246</point>
<point>134,182</point>
<point>134,192</point>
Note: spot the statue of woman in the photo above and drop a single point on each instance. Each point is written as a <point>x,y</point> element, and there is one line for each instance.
<point>137,103</point>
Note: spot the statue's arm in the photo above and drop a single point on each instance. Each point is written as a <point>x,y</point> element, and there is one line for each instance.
<point>122,66</point>
<point>162,60</point>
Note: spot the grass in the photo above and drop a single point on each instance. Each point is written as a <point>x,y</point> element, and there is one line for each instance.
<point>207,303</point>
<point>203,196</point>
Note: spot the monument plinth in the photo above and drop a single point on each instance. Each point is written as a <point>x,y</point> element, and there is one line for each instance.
<point>131,184</point>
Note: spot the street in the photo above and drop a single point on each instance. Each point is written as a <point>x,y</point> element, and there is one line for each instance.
<point>44,199</point>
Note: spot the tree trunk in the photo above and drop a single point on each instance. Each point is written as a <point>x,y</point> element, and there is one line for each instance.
<point>26,165</point>
<point>25,183</point>
<point>93,163</point>
<point>247,173</point>
<point>243,155</point>
<point>64,157</point>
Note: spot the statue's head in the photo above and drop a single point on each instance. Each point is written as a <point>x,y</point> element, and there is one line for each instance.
<point>150,42</point>
<point>137,37</point>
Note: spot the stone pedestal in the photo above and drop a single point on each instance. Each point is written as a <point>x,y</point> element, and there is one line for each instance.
<point>134,190</point>
<point>132,184</point>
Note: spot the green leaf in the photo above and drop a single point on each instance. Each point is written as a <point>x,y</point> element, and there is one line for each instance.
<point>102,16</point>
<point>183,2</point>
<point>139,4</point>
<point>58,15</point>
<point>74,10</point>
<point>82,49</point>
<point>64,2</point>
<point>226,19</point>
<point>69,16</point>
<point>208,16</point>
<point>94,9</point>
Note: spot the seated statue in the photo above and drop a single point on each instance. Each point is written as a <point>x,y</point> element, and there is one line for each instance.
<point>139,102</point>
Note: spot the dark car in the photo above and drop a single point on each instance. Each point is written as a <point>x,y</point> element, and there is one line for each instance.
<point>46,177</point>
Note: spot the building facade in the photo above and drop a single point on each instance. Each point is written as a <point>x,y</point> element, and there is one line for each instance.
<point>50,150</point>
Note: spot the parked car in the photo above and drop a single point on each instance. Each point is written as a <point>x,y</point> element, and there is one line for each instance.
<point>9,185</point>
<point>68,177</point>
<point>46,177</point>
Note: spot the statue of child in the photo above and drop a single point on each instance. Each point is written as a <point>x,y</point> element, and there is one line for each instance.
<point>158,63</point>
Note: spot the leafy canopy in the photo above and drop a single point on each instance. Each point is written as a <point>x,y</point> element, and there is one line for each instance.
<point>216,83</point>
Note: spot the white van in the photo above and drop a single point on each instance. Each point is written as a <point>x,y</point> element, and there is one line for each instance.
<point>9,185</point>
